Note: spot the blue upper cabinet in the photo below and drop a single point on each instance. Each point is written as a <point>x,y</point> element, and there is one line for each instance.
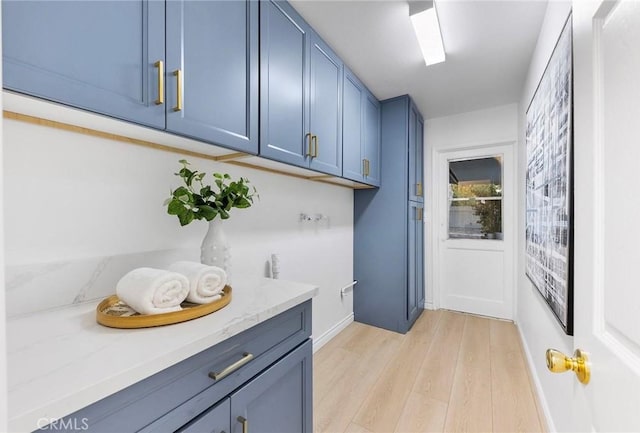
<point>371,139</point>
<point>284,88</point>
<point>325,108</point>
<point>352,114</point>
<point>420,157</point>
<point>214,46</point>
<point>95,55</point>
<point>416,132</point>
<point>361,132</point>
<point>300,92</point>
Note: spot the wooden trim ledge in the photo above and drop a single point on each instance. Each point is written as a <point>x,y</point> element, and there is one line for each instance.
<point>229,158</point>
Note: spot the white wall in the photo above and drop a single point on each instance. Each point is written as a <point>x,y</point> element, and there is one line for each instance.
<point>537,324</point>
<point>3,337</point>
<point>81,209</point>
<point>490,126</point>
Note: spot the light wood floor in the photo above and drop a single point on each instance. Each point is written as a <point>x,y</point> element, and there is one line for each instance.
<point>452,372</point>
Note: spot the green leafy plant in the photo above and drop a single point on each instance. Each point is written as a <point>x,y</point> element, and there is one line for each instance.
<point>489,211</point>
<point>197,201</point>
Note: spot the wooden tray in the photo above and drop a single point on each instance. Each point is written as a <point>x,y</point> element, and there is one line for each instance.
<point>114,313</point>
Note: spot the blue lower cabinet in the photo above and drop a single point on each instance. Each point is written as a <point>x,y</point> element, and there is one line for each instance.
<point>270,387</point>
<point>95,55</point>
<point>420,249</point>
<point>212,71</point>
<point>415,255</point>
<point>279,400</point>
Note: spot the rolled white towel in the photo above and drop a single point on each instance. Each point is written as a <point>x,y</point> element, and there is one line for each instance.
<point>205,282</point>
<point>153,291</point>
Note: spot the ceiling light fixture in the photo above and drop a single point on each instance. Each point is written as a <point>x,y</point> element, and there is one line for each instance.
<point>424,18</point>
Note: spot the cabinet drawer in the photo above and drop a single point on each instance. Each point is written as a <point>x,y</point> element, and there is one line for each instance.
<point>187,389</point>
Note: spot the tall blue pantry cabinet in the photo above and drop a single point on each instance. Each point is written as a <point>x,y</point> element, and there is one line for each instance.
<point>388,225</point>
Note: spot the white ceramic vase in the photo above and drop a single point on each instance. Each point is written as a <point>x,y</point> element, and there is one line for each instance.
<point>215,249</point>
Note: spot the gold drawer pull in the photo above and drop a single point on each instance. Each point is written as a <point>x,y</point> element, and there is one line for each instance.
<point>178,74</point>
<point>419,189</point>
<point>245,424</point>
<point>246,357</point>
<point>160,65</point>
<point>419,213</point>
<point>309,144</point>
<point>315,147</point>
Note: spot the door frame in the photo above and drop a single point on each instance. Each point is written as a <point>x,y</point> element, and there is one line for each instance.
<point>439,215</point>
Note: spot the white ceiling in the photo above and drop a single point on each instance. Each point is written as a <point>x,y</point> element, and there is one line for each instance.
<point>488,44</point>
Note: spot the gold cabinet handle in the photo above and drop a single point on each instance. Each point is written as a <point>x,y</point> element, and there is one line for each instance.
<point>178,74</point>
<point>365,167</point>
<point>309,144</point>
<point>245,424</point>
<point>160,65</point>
<point>315,145</point>
<point>368,167</point>
<point>246,357</point>
<point>558,362</point>
<point>419,214</point>
<point>419,189</point>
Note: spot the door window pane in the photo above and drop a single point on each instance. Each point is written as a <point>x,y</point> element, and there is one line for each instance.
<point>475,198</point>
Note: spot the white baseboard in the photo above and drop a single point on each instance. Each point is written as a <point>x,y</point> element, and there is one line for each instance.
<point>335,330</point>
<point>551,428</point>
<point>428,305</point>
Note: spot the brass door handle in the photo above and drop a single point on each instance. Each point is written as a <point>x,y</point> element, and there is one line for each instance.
<point>558,362</point>
<point>315,145</point>
<point>246,357</point>
<point>160,65</point>
<point>178,74</point>
<point>245,424</point>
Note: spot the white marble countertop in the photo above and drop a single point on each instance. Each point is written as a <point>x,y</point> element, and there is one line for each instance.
<point>61,360</point>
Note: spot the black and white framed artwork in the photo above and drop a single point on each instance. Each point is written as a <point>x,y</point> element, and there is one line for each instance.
<point>549,183</point>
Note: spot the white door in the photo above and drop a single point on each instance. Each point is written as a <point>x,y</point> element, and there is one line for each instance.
<point>607,212</point>
<point>474,262</point>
